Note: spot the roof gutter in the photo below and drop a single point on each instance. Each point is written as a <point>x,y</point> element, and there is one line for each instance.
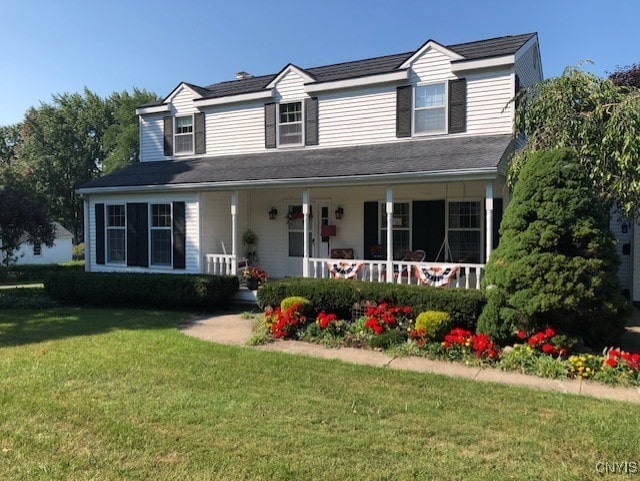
<point>487,173</point>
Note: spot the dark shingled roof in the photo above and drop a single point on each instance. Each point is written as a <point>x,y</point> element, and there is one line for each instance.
<point>492,47</point>
<point>419,157</point>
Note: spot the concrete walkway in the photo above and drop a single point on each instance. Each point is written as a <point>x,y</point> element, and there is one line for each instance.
<point>231,329</point>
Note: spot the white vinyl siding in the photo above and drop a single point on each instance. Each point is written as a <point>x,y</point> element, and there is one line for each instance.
<point>290,87</point>
<point>528,67</point>
<point>152,137</point>
<point>361,116</point>
<point>235,129</point>
<point>487,96</point>
<point>192,227</point>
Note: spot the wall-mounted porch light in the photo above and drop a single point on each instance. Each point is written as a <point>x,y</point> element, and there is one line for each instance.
<point>339,213</point>
<point>273,213</point>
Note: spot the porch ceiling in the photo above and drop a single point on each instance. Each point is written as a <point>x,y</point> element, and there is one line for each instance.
<point>414,159</point>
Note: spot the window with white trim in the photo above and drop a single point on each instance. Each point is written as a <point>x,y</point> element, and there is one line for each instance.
<point>116,234</point>
<point>429,108</point>
<point>465,231</point>
<point>290,124</point>
<point>160,234</point>
<point>183,141</point>
<point>401,228</point>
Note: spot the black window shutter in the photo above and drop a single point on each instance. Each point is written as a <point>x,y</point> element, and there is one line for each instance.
<point>457,106</point>
<point>311,121</point>
<point>99,233</point>
<point>270,125</point>
<point>404,101</point>
<point>517,89</point>
<point>497,219</point>
<point>428,228</point>
<point>370,227</point>
<point>179,236</point>
<point>168,136</point>
<point>138,234</point>
<point>199,133</point>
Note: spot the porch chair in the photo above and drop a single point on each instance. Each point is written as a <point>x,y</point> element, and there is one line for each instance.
<point>343,253</point>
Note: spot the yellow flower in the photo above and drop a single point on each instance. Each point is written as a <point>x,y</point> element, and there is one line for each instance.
<point>588,369</point>
<point>467,343</point>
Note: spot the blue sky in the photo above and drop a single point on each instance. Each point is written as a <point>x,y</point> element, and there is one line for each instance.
<point>62,46</point>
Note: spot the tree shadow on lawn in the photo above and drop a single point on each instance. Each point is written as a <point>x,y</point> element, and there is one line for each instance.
<point>18,327</point>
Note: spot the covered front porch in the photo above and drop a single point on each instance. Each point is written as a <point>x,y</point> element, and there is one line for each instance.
<point>436,232</point>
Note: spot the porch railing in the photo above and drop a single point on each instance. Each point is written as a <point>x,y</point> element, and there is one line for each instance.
<point>468,276</point>
<point>220,264</point>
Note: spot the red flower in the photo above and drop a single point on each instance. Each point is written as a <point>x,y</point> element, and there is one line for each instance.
<point>521,334</point>
<point>549,333</point>
<point>549,349</point>
<point>612,362</point>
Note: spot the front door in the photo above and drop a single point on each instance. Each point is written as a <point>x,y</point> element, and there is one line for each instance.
<point>295,239</point>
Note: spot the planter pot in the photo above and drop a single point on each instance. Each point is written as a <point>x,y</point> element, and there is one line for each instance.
<point>252,284</point>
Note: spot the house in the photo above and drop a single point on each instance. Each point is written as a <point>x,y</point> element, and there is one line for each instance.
<point>61,251</point>
<point>394,154</point>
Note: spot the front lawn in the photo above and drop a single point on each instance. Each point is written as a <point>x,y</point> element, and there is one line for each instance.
<point>97,394</point>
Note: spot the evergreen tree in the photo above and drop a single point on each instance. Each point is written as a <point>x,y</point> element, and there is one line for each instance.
<point>556,264</point>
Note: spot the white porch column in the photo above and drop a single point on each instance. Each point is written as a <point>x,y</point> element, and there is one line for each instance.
<point>87,236</point>
<point>488,207</point>
<point>389,210</point>
<point>305,213</point>
<point>234,232</point>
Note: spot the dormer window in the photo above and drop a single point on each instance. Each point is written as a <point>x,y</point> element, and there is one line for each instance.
<point>184,135</point>
<point>290,124</point>
<point>430,108</point>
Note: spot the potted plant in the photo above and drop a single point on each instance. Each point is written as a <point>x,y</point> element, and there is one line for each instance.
<point>254,277</point>
<point>250,241</point>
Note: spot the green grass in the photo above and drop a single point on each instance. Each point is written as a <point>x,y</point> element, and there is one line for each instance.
<point>97,394</point>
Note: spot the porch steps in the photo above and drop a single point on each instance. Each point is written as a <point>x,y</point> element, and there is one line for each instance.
<point>245,297</point>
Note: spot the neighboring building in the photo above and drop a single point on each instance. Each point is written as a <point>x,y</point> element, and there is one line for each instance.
<point>29,253</point>
<point>418,141</point>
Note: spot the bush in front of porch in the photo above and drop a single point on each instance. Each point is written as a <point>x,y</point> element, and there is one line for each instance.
<point>141,290</point>
<point>556,264</point>
<point>339,296</point>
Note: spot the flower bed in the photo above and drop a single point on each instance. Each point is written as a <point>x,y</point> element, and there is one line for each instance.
<point>390,326</point>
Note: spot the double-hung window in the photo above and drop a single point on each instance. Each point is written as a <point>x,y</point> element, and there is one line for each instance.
<point>290,124</point>
<point>37,249</point>
<point>184,135</point>
<point>430,105</point>
<point>465,231</point>
<point>116,235</point>
<point>401,228</point>
<point>160,234</point>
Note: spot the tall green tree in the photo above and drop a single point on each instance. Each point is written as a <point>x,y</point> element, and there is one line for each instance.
<point>10,141</point>
<point>598,120</point>
<point>121,139</point>
<point>62,149</point>
<point>22,219</point>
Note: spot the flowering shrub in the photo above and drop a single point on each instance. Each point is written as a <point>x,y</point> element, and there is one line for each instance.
<point>419,336</point>
<point>324,320</point>
<point>385,317</point>
<point>284,323</point>
<point>585,365</point>
<point>460,343</point>
<point>543,341</point>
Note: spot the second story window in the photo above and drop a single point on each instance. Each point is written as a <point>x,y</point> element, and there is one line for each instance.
<point>184,135</point>
<point>430,108</point>
<point>290,124</point>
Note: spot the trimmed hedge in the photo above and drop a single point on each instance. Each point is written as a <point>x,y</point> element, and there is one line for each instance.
<point>157,291</point>
<point>25,298</point>
<point>338,296</point>
<point>35,272</point>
